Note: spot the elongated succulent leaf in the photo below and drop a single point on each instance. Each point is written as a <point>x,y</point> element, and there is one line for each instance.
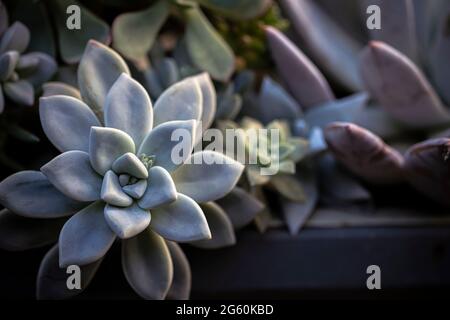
<point>44,70</point>
<point>8,62</point>
<point>135,32</point>
<point>60,88</point>
<point>160,190</point>
<point>21,92</point>
<point>207,176</point>
<point>400,87</point>
<point>237,9</point>
<point>86,237</point>
<point>72,174</point>
<point>222,232</point>
<point>67,122</point>
<point>182,279</point>
<point>182,221</point>
<point>208,51</point>
<point>288,186</point>
<point>16,38</point>
<point>363,153</point>
<point>127,222</point>
<point>30,194</point>
<point>52,280</point>
<point>209,99</point>
<point>147,265</point>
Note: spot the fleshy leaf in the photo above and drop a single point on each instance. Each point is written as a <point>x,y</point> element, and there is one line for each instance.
<point>112,192</point>
<point>208,100</point>
<point>16,38</point>
<point>182,221</point>
<point>237,9</point>
<point>86,237</point>
<point>363,153</point>
<point>135,32</point>
<point>127,222</point>
<point>67,122</point>
<point>30,194</point>
<point>159,143</point>
<point>18,233</point>
<point>128,108</point>
<point>8,62</point>
<point>427,169</point>
<point>21,92</point>
<point>60,88</point>
<point>182,279</point>
<point>400,87</point>
<point>147,265</point>
<point>305,81</point>
<point>289,186</point>
<point>98,70</point>
<point>182,101</point>
<point>207,176</point>
<point>130,164</point>
<point>208,51</point>
<point>72,174</point>
<point>106,145</point>
<point>221,228</point>
<point>52,280</point>
<point>160,189</point>
<point>135,190</point>
<point>44,71</point>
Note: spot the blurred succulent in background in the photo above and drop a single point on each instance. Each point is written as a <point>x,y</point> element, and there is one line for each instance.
<point>119,180</point>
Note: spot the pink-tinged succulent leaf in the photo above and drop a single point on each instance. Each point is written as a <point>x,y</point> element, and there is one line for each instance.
<point>67,122</point>
<point>72,174</point>
<point>398,26</point>
<point>333,49</point>
<point>240,206</point>
<point>305,81</point>
<point>181,220</point>
<point>375,119</point>
<point>99,68</point>
<point>52,280</point>
<point>427,168</point>
<point>363,153</point>
<point>55,88</point>
<point>400,87</point>
<point>15,38</point>
<point>207,176</point>
<point>180,288</point>
<point>19,233</point>
<point>30,194</point>
<point>21,92</point>
<point>222,232</point>
<point>86,237</point>
<point>147,265</point>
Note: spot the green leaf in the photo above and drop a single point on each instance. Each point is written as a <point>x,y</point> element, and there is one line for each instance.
<point>237,9</point>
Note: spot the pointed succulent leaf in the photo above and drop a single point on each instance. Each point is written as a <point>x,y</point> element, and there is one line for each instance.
<point>30,194</point>
<point>18,233</point>
<point>127,222</point>
<point>135,190</point>
<point>147,265</point>
<point>72,174</point>
<point>52,280</point>
<point>160,190</point>
<point>375,119</point>
<point>98,70</point>
<point>345,109</point>
<point>427,169</point>
<point>124,179</point>
<point>16,38</point>
<point>240,206</point>
<point>182,279</point>
<point>86,237</point>
<point>304,80</point>
<point>160,144</point>
<point>128,108</point>
<point>135,32</point>
<point>106,145</point>
<point>182,221</point>
<point>237,9</point>
<point>130,164</point>
<point>182,101</point>
<point>21,92</point>
<point>112,193</point>
<point>363,153</point>
<point>8,62</point>
<point>335,51</point>
<point>222,232</point>
<point>70,46</point>
<point>44,70</point>
<point>400,87</point>
<point>60,88</point>
<point>289,186</point>
<point>207,176</point>
<point>67,122</point>
<point>208,99</point>
<point>208,51</point>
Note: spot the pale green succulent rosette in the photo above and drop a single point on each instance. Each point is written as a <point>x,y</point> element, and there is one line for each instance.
<point>118,180</point>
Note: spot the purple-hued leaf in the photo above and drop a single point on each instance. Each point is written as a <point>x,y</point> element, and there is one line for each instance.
<point>427,168</point>
<point>400,87</point>
<point>363,153</point>
<point>60,88</point>
<point>305,81</point>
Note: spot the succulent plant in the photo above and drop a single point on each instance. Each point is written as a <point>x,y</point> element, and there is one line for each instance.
<point>119,179</point>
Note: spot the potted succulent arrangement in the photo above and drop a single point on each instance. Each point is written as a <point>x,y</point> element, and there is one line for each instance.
<point>352,119</point>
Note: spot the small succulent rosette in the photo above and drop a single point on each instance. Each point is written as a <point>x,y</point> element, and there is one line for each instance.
<point>20,73</point>
<point>117,178</point>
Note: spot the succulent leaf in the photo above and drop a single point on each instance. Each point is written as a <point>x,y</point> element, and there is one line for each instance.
<point>237,9</point>
<point>4,20</point>
<point>209,100</point>
<point>112,193</point>
<point>60,88</point>
<point>43,71</point>
<point>160,190</point>
<point>8,62</point>
<point>127,222</point>
<point>130,164</point>
<point>15,38</point>
<point>21,92</point>
<point>182,280</point>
